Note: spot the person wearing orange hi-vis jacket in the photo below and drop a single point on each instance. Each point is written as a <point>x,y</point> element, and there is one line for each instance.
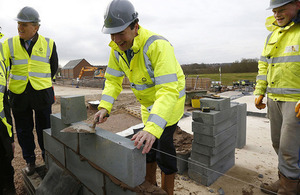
<point>279,78</point>
<point>156,79</point>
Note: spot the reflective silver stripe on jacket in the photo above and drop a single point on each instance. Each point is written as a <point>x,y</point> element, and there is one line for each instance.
<point>40,59</point>
<point>2,114</point>
<point>117,55</point>
<point>19,62</point>
<point>283,90</point>
<point>114,72</point>
<point>263,59</point>
<point>17,77</point>
<point>157,120</point>
<point>146,58</point>
<point>141,87</point>
<point>2,88</point>
<point>3,68</point>
<point>268,38</point>
<point>181,94</point>
<point>41,75</point>
<point>284,59</point>
<point>261,77</point>
<point>165,79</point>
<point>11,48</point>
<point>1,50</point>
<point>108,98</point>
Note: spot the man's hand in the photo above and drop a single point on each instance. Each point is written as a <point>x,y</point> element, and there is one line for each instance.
<point>141,137</point>
<point>297,109</point>
<point>258,102</point>
<point>101,116</point>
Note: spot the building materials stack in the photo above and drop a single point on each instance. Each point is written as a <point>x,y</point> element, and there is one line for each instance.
<point>213,147</point>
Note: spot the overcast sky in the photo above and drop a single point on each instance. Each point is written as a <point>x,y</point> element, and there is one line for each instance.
<point>201,31</point>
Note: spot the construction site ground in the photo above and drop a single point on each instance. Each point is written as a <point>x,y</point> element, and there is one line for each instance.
<point>254,164</point>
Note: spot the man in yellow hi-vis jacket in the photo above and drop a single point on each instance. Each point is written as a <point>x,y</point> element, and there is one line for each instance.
<point>279,77</point>
<point>33,62</point>
<point>6,137</point>
<point>156,79</point>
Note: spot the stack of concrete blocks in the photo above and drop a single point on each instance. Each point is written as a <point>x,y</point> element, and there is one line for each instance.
<point>84,154</point>
<point>213,147</point>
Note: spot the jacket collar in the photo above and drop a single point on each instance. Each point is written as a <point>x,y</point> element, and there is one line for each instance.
<point>297,19</point>
<point>272,25</point>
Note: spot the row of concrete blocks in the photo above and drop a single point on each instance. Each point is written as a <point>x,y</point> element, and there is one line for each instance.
<point>216,135</point>
<point>83,154</point>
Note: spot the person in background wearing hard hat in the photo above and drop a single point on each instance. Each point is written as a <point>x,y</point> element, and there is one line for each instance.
<point>6,135</point>
<point>157,81</point>
<point>33,62</point>
<point>279,77</point>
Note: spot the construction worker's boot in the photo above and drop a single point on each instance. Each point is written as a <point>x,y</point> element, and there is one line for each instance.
<point>167,183</point>
<point>288,186</point>
<point>271,188</point>
<point>151,173</point>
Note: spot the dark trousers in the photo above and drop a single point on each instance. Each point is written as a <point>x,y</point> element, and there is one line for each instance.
<point>167,163</point>
<point>6,156</point>
<point>24,127</point>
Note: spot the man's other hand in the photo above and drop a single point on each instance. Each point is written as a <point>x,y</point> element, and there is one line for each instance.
<point>258,102</point>
<point>297,109</point>
<point>141,137</point>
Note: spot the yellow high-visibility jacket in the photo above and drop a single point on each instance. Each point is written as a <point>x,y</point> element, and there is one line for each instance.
<point>35,68</point>
<point>156,79</point>
<point>2,91</point>
<point>279,65</point>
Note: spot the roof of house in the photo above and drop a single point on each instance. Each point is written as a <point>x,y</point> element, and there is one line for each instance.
<point>72,64</point>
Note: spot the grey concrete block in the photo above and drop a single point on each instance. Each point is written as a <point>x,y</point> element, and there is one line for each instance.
<point>211,160</point>
<point>54,147</point>
<point>218,167</point>
<point>241,125</point>
<point>182,162</point>
<point>207,129</point>
<point>73,109</point>
<point>208,180</point>
<point>218,104</point>
<point>69,139</point>
<point>209,150</point>
<point>214,117</point>
<point>113,189</point>
<point>58,181</point>
<point>48,160</point>
<point>89,176</point>
<point>214,141</point>
<point>115,154</point>
<point>85,191</point>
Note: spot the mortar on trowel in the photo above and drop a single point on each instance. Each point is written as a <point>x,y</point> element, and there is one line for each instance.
<point>82,127</point>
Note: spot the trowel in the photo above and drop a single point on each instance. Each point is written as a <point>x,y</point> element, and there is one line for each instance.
<point>82,127</point>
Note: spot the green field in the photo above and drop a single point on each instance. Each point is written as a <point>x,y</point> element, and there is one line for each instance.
<point>228,78</point>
